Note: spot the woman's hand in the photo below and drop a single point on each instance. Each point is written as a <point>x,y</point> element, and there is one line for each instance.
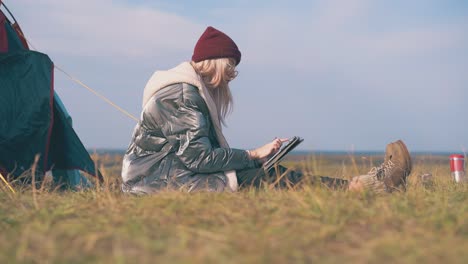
<point>262,153</point>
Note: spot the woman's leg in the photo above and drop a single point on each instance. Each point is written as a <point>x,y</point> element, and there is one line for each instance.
<point>280,177</point>
<point>332,183</point>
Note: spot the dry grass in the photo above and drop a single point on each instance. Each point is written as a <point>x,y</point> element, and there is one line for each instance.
<point>427,224</point>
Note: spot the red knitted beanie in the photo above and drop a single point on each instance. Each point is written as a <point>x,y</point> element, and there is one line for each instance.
<point>215,44</point>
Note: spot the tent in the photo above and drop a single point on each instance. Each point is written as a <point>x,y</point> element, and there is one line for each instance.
<point>32,118</point>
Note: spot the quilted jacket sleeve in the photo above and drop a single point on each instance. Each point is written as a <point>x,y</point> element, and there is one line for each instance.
<point>185,122</point>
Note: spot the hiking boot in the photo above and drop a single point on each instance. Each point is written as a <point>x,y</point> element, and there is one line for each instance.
<point>390,175</point>
<point>397,153</point>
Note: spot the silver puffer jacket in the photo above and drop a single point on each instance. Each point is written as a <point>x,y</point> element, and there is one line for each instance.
<point>175,143</point>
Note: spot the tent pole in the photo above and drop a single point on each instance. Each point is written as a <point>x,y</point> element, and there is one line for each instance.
<point>8,10</point>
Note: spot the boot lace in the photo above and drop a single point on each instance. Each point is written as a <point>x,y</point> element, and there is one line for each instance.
<point>382,170</point>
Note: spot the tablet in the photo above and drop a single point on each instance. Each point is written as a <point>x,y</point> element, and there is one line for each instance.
<point>275,159</point>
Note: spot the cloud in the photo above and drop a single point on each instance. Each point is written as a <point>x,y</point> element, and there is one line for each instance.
<point>327,36</point>
<point>337,33</point>
<point>103,28</point>
<point>377,57</point>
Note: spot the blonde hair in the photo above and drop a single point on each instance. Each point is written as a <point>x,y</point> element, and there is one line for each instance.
<point>216,74</point>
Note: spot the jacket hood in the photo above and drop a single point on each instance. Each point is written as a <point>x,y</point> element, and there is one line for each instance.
<point>183,73</point>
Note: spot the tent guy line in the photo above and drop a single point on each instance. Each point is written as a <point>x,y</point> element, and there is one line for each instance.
<point>76,80</point>
<point>96,93</point>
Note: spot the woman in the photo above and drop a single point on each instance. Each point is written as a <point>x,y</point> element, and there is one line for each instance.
<point>178,142</point>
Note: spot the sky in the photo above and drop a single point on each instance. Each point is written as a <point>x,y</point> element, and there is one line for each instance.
<point>348,75</point>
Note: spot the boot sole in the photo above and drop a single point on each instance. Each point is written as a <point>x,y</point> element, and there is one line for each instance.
<point>405,150</point>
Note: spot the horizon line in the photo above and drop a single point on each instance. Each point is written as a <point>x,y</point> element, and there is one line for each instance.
<point>303,151</point>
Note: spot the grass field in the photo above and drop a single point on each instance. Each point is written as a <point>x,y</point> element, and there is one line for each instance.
<point>427,224</point>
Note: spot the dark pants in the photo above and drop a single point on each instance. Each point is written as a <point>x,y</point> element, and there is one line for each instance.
<point>281,177</point>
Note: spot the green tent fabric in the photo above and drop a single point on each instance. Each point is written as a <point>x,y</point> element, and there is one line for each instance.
<point>68,179</point>
<point>25,109</point>
<point>32,121</point>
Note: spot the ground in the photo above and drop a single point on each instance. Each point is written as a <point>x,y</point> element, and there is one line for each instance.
<point>426,224</point>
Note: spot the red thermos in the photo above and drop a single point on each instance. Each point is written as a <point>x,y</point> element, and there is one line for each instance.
<point>457,167</point>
